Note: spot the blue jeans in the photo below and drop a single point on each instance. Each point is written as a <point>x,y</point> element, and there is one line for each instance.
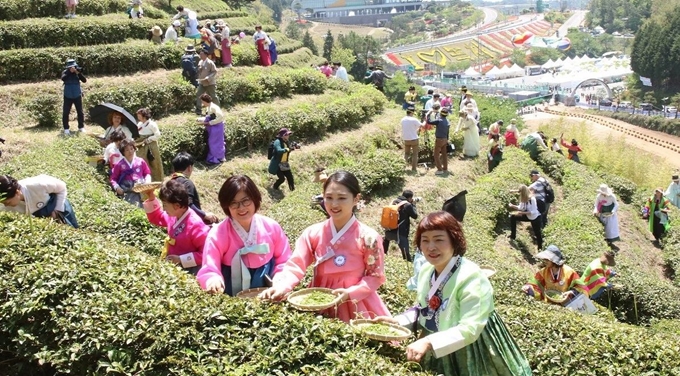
<point>69,215</point>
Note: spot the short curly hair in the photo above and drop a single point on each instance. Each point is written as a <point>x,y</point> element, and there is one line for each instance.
<point>441,220</point>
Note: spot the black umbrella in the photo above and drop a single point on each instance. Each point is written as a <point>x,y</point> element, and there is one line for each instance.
<point>100,114</point>
<point>456,205</point>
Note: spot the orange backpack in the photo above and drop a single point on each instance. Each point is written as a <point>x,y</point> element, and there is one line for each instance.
<point>390,216</point>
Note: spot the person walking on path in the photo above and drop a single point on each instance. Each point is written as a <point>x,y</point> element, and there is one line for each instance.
<point>279,165</point>
<point>538,187</point>
<point>72,76</point>
<point>407,210</point>
<point>410,126</point>
<point>441,142</point>
<point>207,80</point>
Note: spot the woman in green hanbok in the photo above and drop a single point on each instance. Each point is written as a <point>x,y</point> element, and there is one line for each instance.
<point>460,333</point>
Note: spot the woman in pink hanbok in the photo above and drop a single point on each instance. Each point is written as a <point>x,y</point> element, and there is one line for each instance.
<point>129,171</point>
<point>247,249</point>
<point>186,230</point>
<point>346,254</point>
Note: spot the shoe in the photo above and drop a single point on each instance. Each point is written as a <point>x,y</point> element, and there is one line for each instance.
<point>67,132</point>
<point>68,15</point>
<point>81,130</point>
<point>73,15</point>
<point>439,172</point>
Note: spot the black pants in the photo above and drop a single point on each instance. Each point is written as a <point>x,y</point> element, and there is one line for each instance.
<point>283,175</point>
<point>68,103</point>
<point>536,225</point>
<point>544,215</point>
<point>403,246</point>
<point>658,228</point>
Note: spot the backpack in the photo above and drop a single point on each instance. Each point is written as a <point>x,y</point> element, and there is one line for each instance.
<point>549,193</point>
<point>271,150</point>
<point>540,205</point>
<point>390,216</point>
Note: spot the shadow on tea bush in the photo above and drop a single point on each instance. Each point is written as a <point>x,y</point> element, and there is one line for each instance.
<point>46,109</point>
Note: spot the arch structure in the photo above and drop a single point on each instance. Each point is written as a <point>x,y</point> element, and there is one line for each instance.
<point>569,99</point>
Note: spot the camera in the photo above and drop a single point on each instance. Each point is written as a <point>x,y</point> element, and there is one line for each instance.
<point>295,145</point>
<point>417,199</point>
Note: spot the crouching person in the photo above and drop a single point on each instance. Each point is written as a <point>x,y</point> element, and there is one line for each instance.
<point>186,230</point>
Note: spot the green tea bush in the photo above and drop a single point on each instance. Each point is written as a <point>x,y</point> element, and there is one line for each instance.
<point>96,206</point>
<point>82,309</point>
<point>256,128</point>
<point>20,9</point>
<point>579,235</point>
<point>376,169</point>
<point>655,123</point>
<point>87,31</point>
<point>494,109</point>
<point>46,109</point>
<point>225,14</point>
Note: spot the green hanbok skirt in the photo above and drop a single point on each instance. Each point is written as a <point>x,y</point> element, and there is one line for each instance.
<point>495,353</point>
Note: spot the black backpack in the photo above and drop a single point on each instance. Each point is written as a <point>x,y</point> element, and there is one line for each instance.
<point>549,193</point>
<point>271,149</point>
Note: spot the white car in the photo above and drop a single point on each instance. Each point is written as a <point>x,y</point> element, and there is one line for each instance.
<point>671,109</point>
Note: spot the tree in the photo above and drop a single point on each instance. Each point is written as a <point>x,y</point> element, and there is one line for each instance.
<point>519,57</point>
<point>606,41</point>
<point>343,56</point>
<point>397,87</point>
<point>237,4</point>
<point>362,48</point>
<point>541,56</point>
<point>308,42</point>
<point>293,31</point>
<point>458,66</point>
<point>297,6</point>
<point>540,7</point>
<point>277,9</point>
<point>328,45</point>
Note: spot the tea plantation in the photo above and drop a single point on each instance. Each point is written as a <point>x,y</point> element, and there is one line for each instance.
<point>98,300</point>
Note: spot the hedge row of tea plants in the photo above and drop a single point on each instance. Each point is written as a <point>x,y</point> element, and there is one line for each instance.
<point>80,308</point>
<point>96,206</point>
<point>580,236</point>
<point>21,9</point>
<point>40,32</point>
<point>300,58</point>
<point>32,64</point>
<point>655,123</point>
<point>255,128</point>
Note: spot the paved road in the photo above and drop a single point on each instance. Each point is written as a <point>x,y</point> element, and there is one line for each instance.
<point>490,15</point>
<point>467,35</point>
<point>574,21</point>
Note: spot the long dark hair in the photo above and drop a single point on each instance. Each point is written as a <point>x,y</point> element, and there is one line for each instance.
<point>9,187</point>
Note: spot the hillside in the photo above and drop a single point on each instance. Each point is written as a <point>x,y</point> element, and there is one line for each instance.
<point>98,300</point>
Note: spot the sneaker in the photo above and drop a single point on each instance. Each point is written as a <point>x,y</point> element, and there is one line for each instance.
<point>73,15</point>
<point>439,172</point>
<point>67,132</point>
<point>81,129</point>
<point>68,15</point>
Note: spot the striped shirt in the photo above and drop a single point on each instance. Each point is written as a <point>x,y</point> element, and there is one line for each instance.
<point>539,188</point>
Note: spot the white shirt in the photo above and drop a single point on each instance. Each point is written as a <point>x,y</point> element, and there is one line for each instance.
<point>259,35</point>
<point>112,155</point>
<point>184,13</point>
<point>538,138</point>
<point>430,103</point>
<point>531,207</point>
<point>36,191</point>
<point>171,34</point>
<point>149,128</point>
<point>409,128</point>
<point>464,103</point>
<point>341,73</point>
<point>215,109</point>
<point>225,32</point>
<point>123,128</point>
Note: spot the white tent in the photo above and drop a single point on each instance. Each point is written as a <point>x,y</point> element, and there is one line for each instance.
<point>494,72</point>
<point>586,58</point>
<point>548,64</point>
<point>576,59</point>
<point>504,72</point>
<point>516,71</point>
<point>471,72</point>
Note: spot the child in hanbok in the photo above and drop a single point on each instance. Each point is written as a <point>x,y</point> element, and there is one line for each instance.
<point>214,126</point>
<point>460,332</point>
<point>262,44</point>
<point>247,249</point>
<point>605,210</point>
<point>112,154</point>
<point>346,254</point>
<point>41,196</point>
<point>128,172</point>
<point>572,149</point>
<point>186,230</point>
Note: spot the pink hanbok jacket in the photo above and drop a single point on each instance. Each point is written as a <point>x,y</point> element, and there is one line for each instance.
<point>137,171</point>
<point>223,242</point>
<point>186,234</point>
<point>351,262</point>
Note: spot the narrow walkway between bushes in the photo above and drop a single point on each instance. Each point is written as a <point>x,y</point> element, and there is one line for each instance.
<point>534,120</point>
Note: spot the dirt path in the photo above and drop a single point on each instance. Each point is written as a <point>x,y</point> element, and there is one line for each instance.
<point>534,120</point>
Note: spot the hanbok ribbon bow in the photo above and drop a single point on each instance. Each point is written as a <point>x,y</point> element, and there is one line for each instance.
<point>166,247</point>
<point>240,275</point>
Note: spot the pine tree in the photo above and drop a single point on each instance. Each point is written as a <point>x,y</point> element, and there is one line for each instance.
<point>308,42</point>
<point>539,6</point>
<point>328,46</point>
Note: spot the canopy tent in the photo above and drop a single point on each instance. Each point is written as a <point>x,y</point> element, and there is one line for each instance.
<point>586,58</point>
<point>516,71</point>
<point>494,72</point>
<point>504,72</point>
<point>548,64</point>
<point>471,72</point>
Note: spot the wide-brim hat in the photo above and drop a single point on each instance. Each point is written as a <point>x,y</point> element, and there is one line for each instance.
<point>284,132</point>
<point>609,255</point>
<point>552,254</point>
<point>659,189</point>
<point>469,107</point>
<point>156,31</point>
<point>176,23</point>
<point>410,109</point>
<point>469,93</point>
<point>220,23</point>
<point>71,63</point>
<point>444,112</point>
<point>604,190</point>
<point>513,121</point>
<point>190,48</point>
<point>534,172</point>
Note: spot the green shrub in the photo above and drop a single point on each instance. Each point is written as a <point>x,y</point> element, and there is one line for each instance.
<point>46,109</point>
<point>655,123</point>
<point>255,129</point>
<point>376,169</point>
<point>302,57</point>
<point>579,235</point>
<point>494,109</point>
<point>20,9</point>
<point>96,206</point>
<point>87,31</point>
<point>222,14</point>
<point>82,309</point>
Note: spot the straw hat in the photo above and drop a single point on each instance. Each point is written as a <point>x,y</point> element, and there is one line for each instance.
<point>157,31</point>
<point>552,254</point>
<point>604,190</point>
<point>469,107</point>
<point>220,23</point>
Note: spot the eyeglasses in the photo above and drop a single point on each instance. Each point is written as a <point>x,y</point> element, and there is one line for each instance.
<point>246,202</point>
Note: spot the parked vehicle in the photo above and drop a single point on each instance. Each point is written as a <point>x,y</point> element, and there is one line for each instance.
<point>671,109</point>
<point>646,106</point>
<point>625,104</point>
<point>605,102</point>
